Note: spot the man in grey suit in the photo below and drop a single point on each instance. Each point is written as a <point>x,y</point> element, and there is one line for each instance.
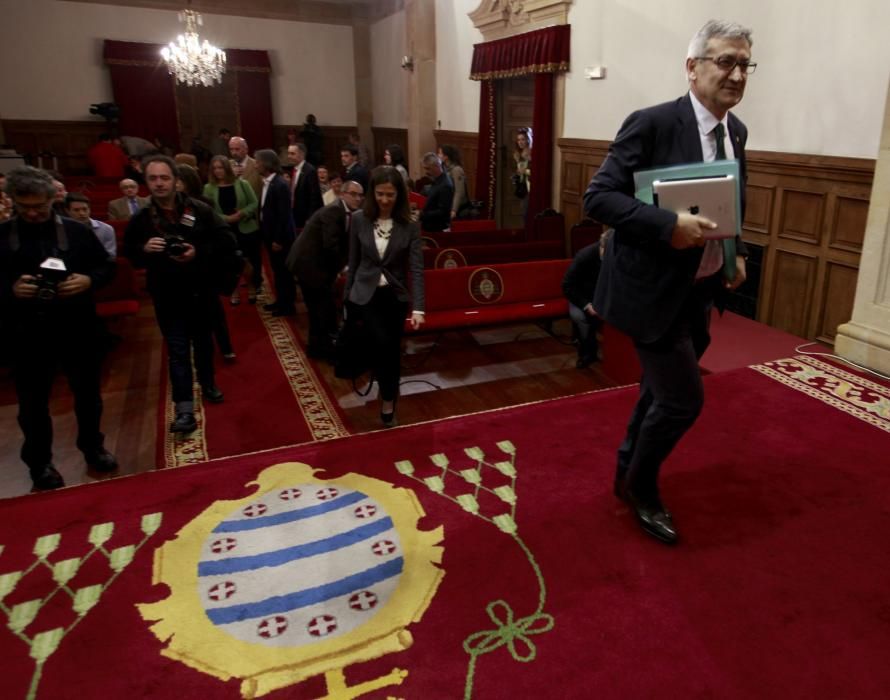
<point>124,208</point>
<point>316,258</point>
<point>660,276</point>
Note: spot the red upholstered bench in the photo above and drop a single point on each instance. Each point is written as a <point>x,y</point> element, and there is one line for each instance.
<point>495,294</point>
<point>456,239</point>
<point>120,297</point>
<point>473,225</point>
<point>495,253</point>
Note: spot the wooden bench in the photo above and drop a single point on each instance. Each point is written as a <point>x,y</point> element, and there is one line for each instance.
<point>490,295</point>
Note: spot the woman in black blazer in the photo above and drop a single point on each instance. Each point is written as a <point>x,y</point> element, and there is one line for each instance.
<point>384,249</point>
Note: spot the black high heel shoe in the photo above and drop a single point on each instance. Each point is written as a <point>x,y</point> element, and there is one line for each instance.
<point>389,420</point>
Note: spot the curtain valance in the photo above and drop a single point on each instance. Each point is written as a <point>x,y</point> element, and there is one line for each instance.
<point>540,51</point>
<point>131,53</point>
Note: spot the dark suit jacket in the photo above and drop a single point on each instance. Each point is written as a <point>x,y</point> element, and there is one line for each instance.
<point>277,220</point>
<point>404,254</point>
<point>436,214</point>
<point>307,195</point>
<point>360,175</point>
<point>119,209</point>
<point>644,282</point>
<point>322,248</point>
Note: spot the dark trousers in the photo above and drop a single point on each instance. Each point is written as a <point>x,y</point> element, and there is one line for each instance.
<point>671,396</point>
<point>384,318</point>
<point>321,308</point>
<point>251,246</point>
<point>586,327</point>
<point>186,323</point>
<point>37,354</point>
<point>285,287</point>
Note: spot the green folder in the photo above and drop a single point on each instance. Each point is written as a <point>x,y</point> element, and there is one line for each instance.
<point>643,180</point>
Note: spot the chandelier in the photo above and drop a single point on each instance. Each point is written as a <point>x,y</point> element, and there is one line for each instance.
<point>191,62</point>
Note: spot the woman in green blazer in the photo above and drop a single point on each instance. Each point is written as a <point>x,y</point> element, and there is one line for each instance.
<point>235,201</point>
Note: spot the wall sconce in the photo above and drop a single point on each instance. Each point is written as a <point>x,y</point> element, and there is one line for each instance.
<point>408,63</point>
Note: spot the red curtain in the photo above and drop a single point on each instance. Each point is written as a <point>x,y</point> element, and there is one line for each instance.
<point>145,93</point>
<point>540,192</point>
<point>541,53</point>
<point>486,173</point>
<point>143,90</point>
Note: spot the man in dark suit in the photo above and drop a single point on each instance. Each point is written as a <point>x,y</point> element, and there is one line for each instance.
<point>316,258</point>
<point>305,190</point>
<point>436,214</point>
<point>277,230</point>
<point>352,169</point>
<point>660,275</point>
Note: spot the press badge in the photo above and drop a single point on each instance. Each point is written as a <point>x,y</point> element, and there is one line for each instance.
<point>187,220</point>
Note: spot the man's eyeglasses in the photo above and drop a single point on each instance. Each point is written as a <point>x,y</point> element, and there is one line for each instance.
<point>727,64</point>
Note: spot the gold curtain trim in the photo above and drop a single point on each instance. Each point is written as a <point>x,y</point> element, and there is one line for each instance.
<point>560,67</point>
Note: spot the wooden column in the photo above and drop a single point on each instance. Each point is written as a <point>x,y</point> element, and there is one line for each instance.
<point>420,28</point>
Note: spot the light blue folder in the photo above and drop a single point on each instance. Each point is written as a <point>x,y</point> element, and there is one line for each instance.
<point>643,180</point>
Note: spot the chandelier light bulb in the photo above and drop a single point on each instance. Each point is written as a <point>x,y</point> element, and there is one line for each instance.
<point>189,60</point>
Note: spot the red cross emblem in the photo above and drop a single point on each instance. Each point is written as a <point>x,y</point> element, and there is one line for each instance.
<point>383,547</point>
<point>290,494</point>
<point>222,591</point>
<point>326,494</point>
<point>322,625</point>
<point>272,627</point>
<point>363,600</point>
<point>365,511</point>
<point>226,544</point>
<point>254,510</point>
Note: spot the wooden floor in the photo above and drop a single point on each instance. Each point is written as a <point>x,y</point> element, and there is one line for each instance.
<point>443,375</point>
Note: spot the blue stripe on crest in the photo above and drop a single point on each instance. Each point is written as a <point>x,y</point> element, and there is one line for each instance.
<point>300,551</point>
<point>310,596</point>
<point>290,516</point>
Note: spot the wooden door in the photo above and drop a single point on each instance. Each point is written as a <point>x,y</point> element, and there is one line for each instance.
<point>516,98</point>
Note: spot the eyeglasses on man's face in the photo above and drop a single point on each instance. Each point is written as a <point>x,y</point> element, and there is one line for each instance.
<point>728,63</point>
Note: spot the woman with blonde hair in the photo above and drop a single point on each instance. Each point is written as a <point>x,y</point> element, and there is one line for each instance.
<point>235,201</point>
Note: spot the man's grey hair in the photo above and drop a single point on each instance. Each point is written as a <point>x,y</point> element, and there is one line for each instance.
<point>269,159</point>
<point>429,158</point>
<point>716,29</point>
<point>25,180</point>
<point>352,185</point>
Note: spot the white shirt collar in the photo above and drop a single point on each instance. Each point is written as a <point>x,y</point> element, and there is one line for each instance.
<point>706,120</point>
<point>269,178</point>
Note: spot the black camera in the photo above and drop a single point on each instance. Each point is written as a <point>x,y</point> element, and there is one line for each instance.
<point>176,245</point>
<point>52,271</point>
<point>106,110</point>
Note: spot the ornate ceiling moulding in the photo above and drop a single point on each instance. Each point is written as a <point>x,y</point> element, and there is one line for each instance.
<point>497,19</point>
<point>292,10</point>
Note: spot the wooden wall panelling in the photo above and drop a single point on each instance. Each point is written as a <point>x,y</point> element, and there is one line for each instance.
<point>467,142</point>
<point>68,140</point>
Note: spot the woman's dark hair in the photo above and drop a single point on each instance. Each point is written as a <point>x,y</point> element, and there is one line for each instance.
<point>452,153</point>
<point>190,180</point>
<point>386,174</point>
<point>396,155</point>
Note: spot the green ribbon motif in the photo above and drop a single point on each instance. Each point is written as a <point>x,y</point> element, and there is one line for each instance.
<point>508,632</point>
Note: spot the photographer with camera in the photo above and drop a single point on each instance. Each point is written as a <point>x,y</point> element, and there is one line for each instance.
<point>49,267</point>
<point>189,254</point>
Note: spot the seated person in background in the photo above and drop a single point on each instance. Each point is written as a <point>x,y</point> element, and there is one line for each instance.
<point>61,193</point>
<point>436,214</point>
<point>5,201</point>
<point>323,183</point>
<point>106,158</point>
<point>123,208</point>
<point>77,206</point>
<point>335,182</point>
<point>578,287</point>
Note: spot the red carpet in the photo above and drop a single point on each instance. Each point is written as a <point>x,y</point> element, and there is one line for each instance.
<point>273,397</point>
<point>548,589</point>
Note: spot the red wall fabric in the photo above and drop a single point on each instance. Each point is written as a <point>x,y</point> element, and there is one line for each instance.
<point>255,108</point>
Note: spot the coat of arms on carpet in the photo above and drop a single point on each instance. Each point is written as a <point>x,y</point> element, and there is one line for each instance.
<point>302,578</point>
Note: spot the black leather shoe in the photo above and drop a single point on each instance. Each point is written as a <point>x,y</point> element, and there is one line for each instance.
<point>101,460</point>
<point>270,307</point>
<point>653,518</point>
<point>184,423</point>
<point>389,420</point>
<point>46,478</point>
<point>213,394</point>
<point>278,312</point>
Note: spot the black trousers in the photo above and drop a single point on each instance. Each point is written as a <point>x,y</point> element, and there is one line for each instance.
<point>251,245</point>
<point>384,318</point>
<point>321,309</point>
<point>38,351</point>
<point>186,322</point>
<point>285,286</point>
<point>671,396</point>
